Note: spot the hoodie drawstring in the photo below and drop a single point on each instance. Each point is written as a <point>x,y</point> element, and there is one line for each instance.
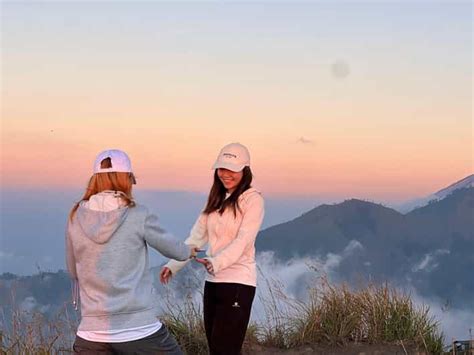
<point>75,293</point>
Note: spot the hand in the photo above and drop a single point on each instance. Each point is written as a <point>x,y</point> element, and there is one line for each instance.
<point>194,251</point>
<point>165,275</point>
<point>207,264</point>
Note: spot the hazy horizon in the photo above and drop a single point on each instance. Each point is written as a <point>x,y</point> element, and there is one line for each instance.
<point>39,243</point>
<point>33,221</point>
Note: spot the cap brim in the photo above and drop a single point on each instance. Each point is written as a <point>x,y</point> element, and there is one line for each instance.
<point>231,167</point>
<point>111,170</point>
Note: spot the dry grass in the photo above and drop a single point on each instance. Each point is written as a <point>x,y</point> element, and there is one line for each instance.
<point>374,314</point>
<point>34,333</point>
<point>332,316</point>
<point>186,323</point>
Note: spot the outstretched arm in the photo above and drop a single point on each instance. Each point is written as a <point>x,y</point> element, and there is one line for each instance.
<point>198,237</point>
<point>166,244</point>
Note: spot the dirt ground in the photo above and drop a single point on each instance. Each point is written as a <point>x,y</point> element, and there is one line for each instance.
<point>355,349</point>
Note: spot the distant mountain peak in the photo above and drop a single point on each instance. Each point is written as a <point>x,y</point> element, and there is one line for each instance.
<point>351,207</point>
<point>468,181</point>
<point>358,202</point>
<point>409,206</point>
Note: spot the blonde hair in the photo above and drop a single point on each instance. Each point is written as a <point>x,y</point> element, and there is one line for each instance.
<point>114,181</point>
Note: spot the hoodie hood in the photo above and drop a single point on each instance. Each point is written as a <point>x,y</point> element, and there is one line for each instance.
<point>100,217</point>
<point>247,193</point>
<point>251,190</point>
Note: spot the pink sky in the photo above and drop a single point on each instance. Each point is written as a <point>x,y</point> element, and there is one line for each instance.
<point>397,125</point>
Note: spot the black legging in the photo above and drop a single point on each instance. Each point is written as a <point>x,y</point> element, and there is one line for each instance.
<point>226,316</point>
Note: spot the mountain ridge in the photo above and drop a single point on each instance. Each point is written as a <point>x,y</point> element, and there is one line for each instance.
<point>409,248</point>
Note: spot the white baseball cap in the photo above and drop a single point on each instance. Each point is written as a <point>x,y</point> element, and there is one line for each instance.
<point>119,160</point>
<point>234,157</point>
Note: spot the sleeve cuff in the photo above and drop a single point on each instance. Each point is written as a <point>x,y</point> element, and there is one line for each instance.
<point>215,264</point>
<point>175,266</point>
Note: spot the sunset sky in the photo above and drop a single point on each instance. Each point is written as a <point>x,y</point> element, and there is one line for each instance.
<point>333,99</point>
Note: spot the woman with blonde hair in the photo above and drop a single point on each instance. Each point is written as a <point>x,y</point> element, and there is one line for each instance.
<point>229,225</point>
<point>107,240</point>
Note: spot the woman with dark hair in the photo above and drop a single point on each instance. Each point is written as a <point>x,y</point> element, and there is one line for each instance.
<point>229,225</point>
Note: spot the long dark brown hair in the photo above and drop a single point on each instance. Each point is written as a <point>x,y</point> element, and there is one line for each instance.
<point>217,201</point>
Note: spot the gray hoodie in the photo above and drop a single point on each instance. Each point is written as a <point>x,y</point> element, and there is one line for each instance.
<point>106,254</point>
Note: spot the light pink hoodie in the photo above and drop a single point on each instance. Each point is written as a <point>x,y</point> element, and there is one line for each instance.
<point>230,239</point>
